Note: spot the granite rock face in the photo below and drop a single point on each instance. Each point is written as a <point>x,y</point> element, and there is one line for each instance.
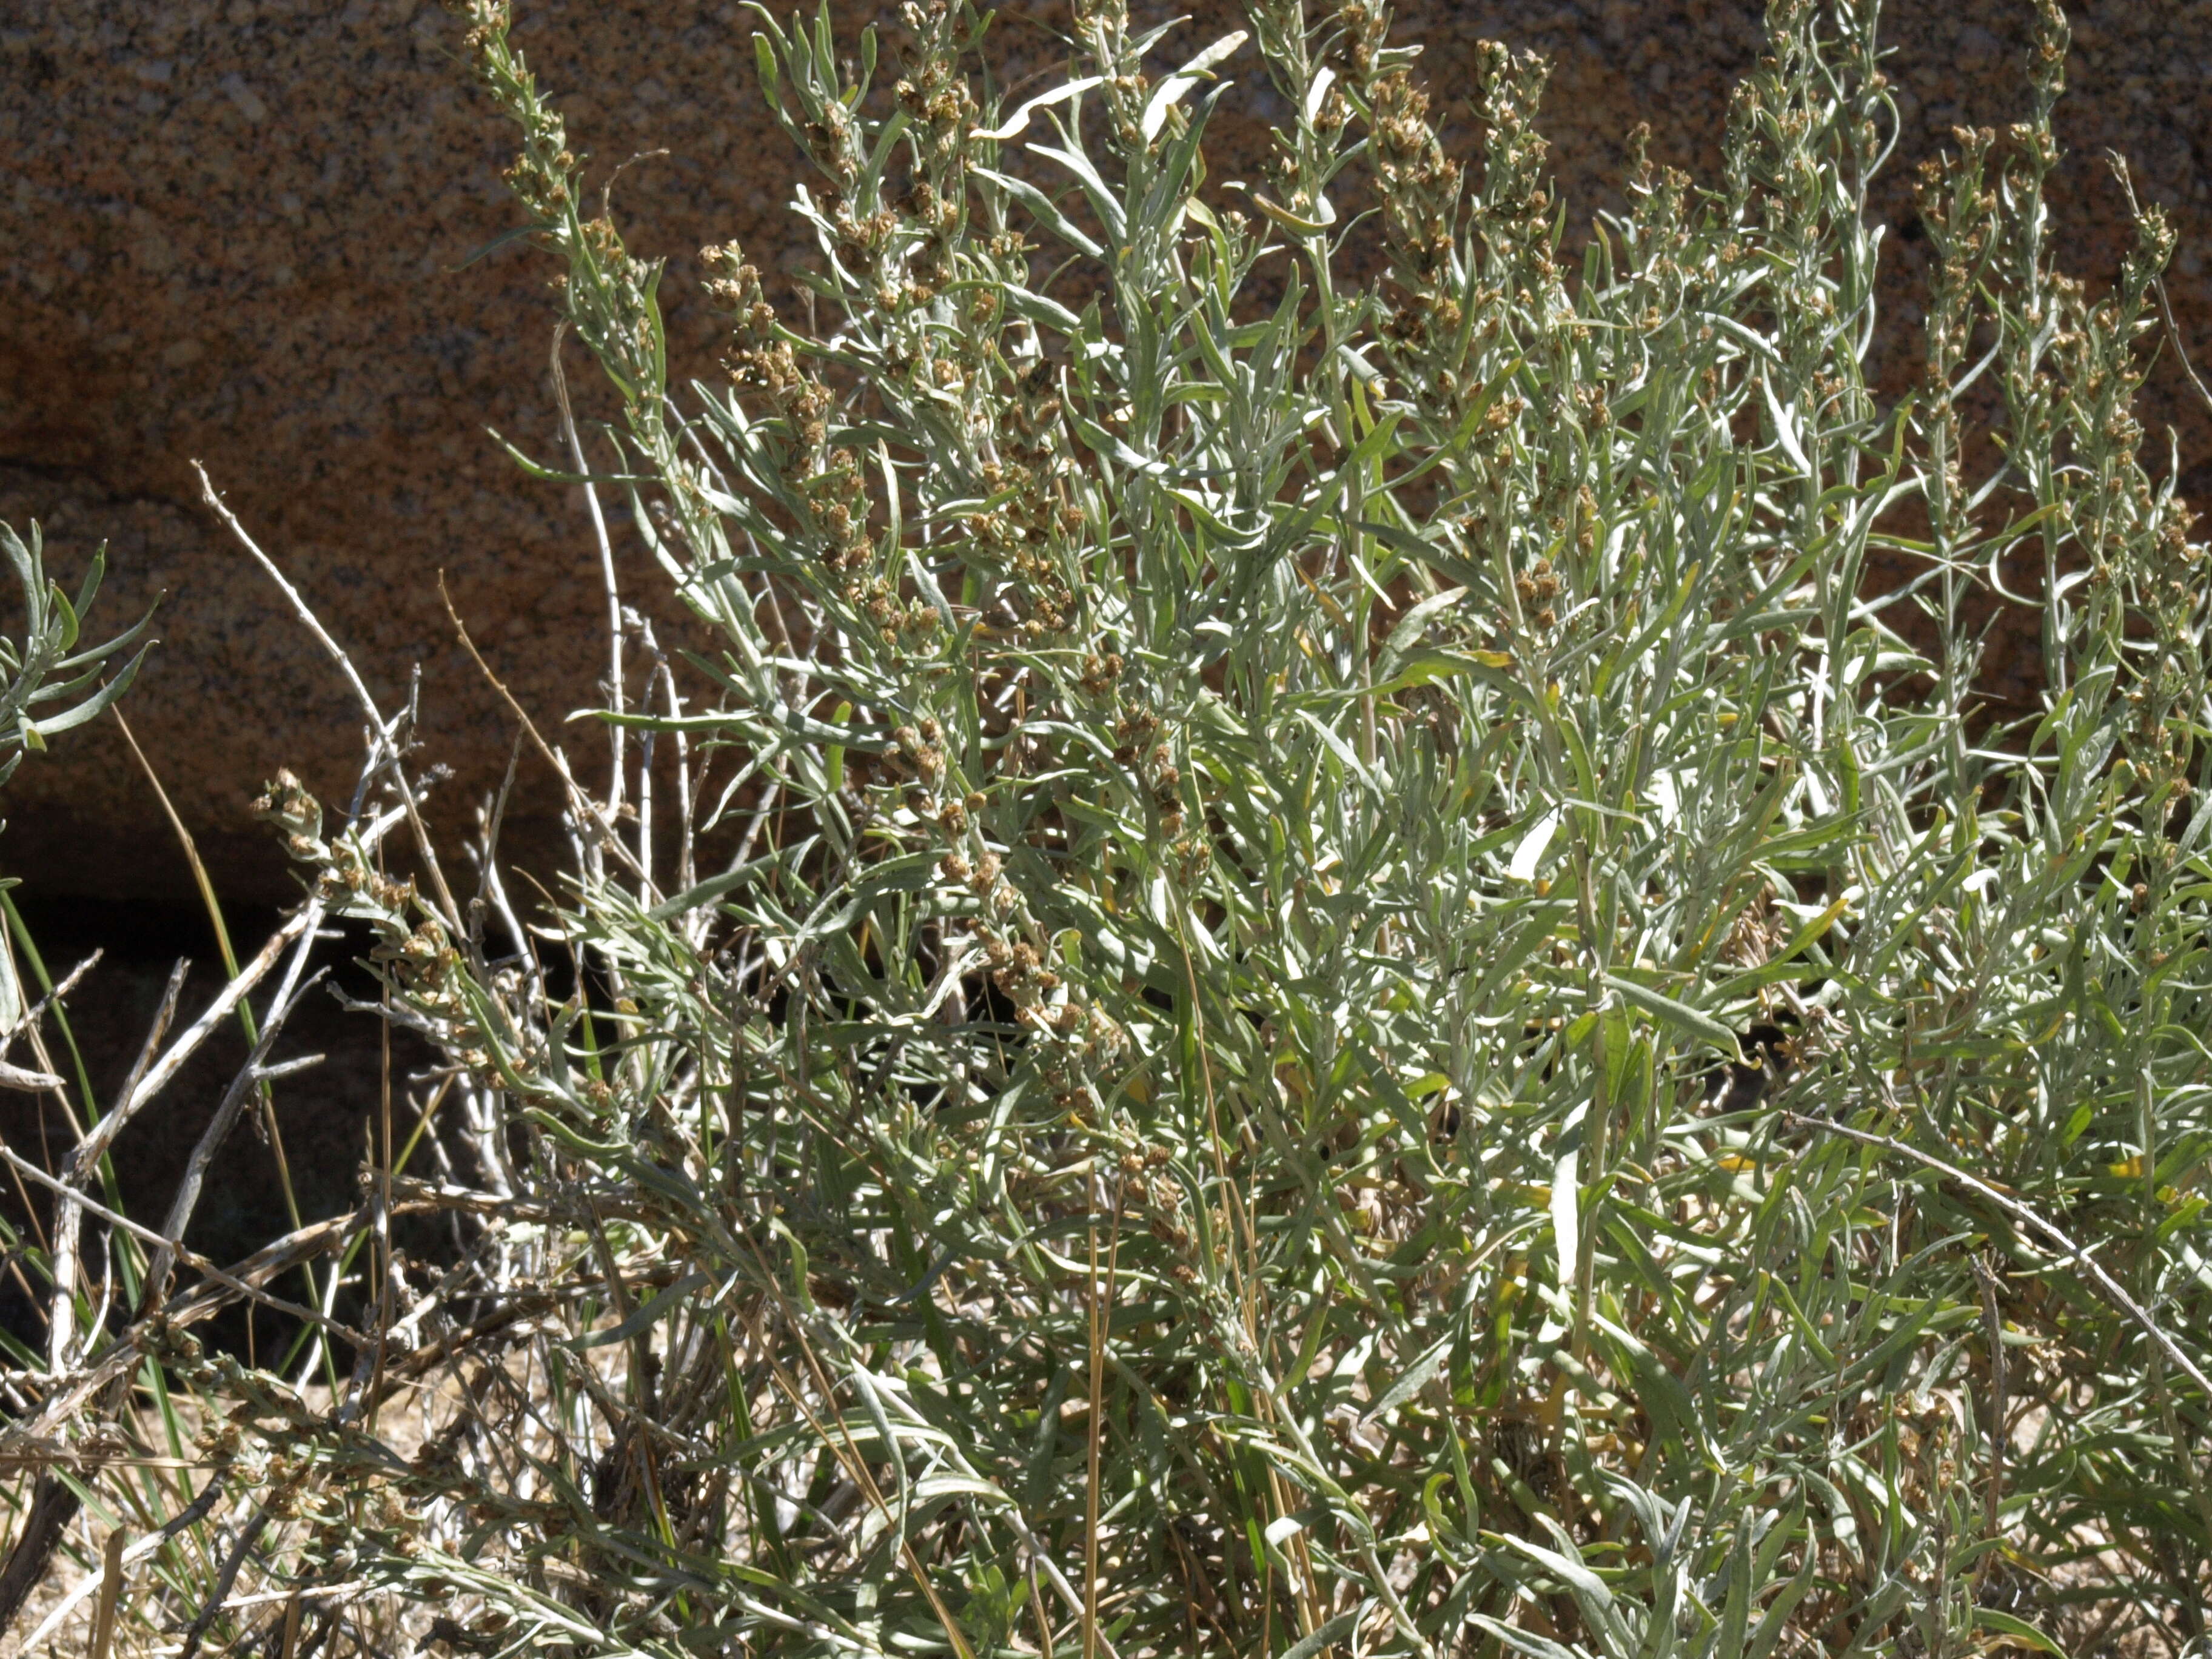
<point>241,231</point>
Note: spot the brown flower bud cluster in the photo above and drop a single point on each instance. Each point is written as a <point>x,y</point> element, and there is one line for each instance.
<point>1538,587</point>
<point>2142,529</point>
<point>424,968</point>
<point>2134,532</point>
<point>1103,28</point>
<point>345,881</point>
<point>287,805</point>
<point>1100,674</point>
<point>733,286</point>
<point>896,243</point>
<point>1142,751</point>
<point>1160,1198</point>
<point>942,110</point>
<point>1070,1038</point>
<point>604,291</point>
<point>1513,208</point>
<point>1034,518</point>
<point>828,486</point>
<point>543,176</point>
<point>1019,972</point>
<point>1959,210</point>
<point>897,246</point>
<point>1419,187</point>
<point>928,782</point>
<point>921,747</point>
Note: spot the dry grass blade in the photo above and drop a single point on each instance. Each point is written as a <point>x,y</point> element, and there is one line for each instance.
<point>111,1595</point>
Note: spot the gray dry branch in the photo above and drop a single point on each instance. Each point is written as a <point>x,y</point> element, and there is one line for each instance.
<point>1239,1007</point>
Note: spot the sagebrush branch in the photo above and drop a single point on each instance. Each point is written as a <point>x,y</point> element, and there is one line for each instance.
<point>2106,1286</point>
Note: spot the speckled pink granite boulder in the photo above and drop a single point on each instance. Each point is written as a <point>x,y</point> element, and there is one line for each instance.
<point>236,230</point>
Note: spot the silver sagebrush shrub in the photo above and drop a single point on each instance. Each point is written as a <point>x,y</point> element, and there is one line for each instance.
<point>1365,997</point>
